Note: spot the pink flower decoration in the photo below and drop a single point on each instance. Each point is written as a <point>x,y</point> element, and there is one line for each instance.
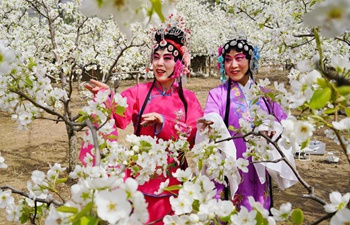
<point>186,58</point>
<point>186,71</point>
<point>178,69</point>
<point>220,50</point>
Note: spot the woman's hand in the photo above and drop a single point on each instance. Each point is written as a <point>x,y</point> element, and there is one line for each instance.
<point>95,86</point>
<point>269,134</point>
<point>151,118</point>
<point>205,124</point>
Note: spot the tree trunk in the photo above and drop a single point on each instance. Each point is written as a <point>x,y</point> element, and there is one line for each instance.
<point>137,78</point>
<point>72,151</point>
<point>209,66</point>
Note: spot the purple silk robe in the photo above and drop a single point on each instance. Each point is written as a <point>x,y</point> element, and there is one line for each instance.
<point>239,108</point>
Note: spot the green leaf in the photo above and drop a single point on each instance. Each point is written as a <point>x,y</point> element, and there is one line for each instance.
<point>172,188</point>
<point>87,220</point>
<point>305,143</point>
<point>347,111</point>
<point>321,82</point>
<point>257,123</point>
<point>271,95</point>
<point>83,212</point>
<point>135,169</point>
<point>67,209</point>
<point>231,128</point>
<point>134,158</point>
<point>260,220</point>
<point>343,90</point>
<point>112,137</point>
<point>200,165</point>
<point>320,98</point>
<point>226,218</point>
<point>281,48</point>
<point>99,3</point>
<point>61,180</point>
<point>24,218</point>
<point>119,110</point>
<point>31,63</point>
<point>145,146</point>
<point>297,216</point>
<point>195,205</point>
<point>255,101</point>
<point>157,7</point>
<point>103,145</point>
<point>331,110</point>
<point>29,81</point>
<point>83,116</point>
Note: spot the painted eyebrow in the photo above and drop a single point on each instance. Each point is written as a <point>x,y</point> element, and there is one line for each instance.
<point>237,55</point>
<point>168,54</point>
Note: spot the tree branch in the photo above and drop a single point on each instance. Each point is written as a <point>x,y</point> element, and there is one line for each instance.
<point>96,145</point>
<point>283,157</point>
<point>47,200</point>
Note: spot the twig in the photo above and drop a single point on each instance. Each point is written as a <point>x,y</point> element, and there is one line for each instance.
<point>94,136</point>
<point>42,200</point>
<point>274,143</point>
<point>325,217</point>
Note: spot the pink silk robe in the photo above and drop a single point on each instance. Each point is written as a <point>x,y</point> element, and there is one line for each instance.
<point>239,108</point>
<point>169,105</point>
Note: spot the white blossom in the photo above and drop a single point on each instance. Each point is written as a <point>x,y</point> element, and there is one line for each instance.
<point>243,217</point>
<point>337,202</point>
<point>283,213</point>
<point>343,124</point>
<point>332,16</point>
<point>341,217</point>
<point>113,206</point>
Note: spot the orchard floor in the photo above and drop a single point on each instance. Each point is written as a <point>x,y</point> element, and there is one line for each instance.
<point>46,143</point>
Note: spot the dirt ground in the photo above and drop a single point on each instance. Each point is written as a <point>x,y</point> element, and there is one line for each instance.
<point>46,143</point>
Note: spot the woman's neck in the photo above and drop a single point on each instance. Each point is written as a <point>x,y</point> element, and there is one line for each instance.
<point>166,85</point>
<point>244,80</point>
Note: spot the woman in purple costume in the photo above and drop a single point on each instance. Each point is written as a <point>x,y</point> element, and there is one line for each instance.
<point>238,60</point>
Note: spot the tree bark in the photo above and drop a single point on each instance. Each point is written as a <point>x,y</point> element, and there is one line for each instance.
<point>72,149</point>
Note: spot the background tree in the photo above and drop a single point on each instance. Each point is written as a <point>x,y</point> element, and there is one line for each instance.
<point>57,46</point>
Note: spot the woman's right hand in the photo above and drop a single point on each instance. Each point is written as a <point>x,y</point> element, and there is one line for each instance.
<point>152,118</point>
<point>95,86</point>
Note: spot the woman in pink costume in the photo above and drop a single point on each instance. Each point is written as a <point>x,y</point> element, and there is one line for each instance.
<point>161,108</point>
<point>238,60</point>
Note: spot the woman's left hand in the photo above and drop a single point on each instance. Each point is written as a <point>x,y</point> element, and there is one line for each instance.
<point>152,118</point>
<point>205,124</point>
<point>269,134</point>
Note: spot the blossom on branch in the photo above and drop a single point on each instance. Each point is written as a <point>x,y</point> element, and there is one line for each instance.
<point>113,206</point>
<point>332,16</point>
<point>337,202</point>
